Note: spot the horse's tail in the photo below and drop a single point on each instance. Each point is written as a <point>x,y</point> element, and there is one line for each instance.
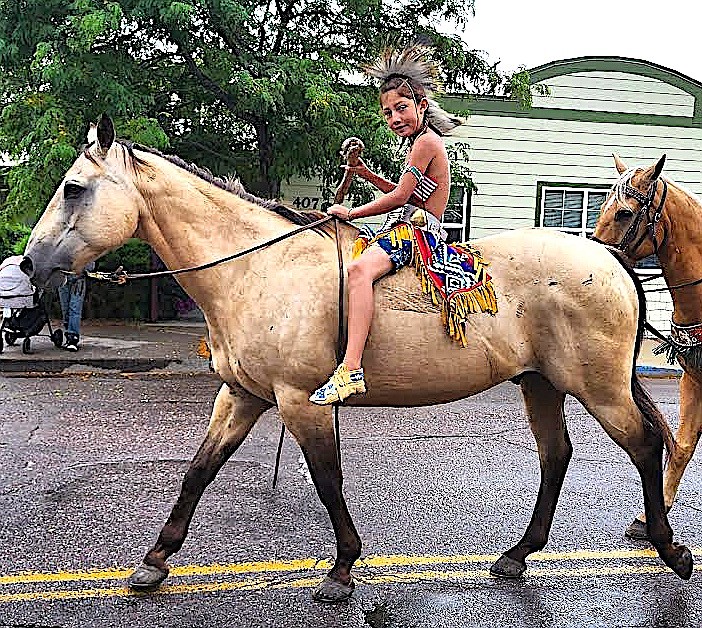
<point>653,419</point>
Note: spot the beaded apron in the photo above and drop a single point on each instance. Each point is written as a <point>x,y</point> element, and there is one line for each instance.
<point>454,276</point>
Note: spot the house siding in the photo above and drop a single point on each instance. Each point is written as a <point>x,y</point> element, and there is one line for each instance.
<point>616,91</point>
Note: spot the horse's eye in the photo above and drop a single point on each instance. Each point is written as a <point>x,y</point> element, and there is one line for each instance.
<point>623,214</point>
<point>72,190</point>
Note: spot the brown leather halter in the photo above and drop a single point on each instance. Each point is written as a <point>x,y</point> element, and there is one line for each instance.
<point>646,212</point>
<point>646,201</point>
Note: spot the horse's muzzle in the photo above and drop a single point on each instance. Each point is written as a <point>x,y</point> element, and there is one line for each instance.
<point>44,271</point>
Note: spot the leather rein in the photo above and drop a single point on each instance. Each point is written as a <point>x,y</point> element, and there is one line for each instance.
<point>652,219</point>
<point>645,212</point>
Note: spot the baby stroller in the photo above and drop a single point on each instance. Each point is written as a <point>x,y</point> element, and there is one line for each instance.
<point>25,310</point>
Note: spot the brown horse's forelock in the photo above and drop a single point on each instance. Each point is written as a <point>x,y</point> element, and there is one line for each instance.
<point>228,184</point>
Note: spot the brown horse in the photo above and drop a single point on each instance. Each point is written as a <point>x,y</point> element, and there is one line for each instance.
<point>646,214</point>
<point>562,327</point>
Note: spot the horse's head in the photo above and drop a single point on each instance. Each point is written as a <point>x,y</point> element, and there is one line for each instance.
<point>630,214</point>
<point>95,209</point>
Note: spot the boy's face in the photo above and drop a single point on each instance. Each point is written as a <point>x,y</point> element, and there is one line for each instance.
<point>401,114</point>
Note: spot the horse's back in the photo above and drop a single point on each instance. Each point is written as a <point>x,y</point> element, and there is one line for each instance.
<point>565,306</point>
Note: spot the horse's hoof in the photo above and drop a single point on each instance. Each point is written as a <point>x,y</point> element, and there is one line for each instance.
<point>332,591</point>
<point>681,561</point>
<point>506,567</point>
<point>147,578</point>
<point>637,530</point>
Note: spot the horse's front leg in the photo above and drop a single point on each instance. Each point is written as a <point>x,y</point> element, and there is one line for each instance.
<point>544,406</point>
<point>313,428</point>
<point>686,437</point>
<point>234,414</point>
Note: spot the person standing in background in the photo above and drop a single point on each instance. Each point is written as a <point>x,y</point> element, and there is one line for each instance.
<point>72,295</point>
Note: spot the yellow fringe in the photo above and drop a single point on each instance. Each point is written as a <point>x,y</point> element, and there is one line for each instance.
<point>359,245</point>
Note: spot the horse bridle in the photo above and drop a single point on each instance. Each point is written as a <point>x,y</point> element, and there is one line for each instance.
<point>646,201</point>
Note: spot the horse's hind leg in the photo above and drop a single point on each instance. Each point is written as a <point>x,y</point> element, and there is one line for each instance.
<point>313,428</point>
<point>234,414</point>
<point>687,436</point>
<point>544,406</point>
<point>637,426</point>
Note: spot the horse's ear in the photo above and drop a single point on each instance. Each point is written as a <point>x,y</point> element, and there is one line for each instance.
<point>619,164</point>
<point>105,133</point>
<point>651,174</point>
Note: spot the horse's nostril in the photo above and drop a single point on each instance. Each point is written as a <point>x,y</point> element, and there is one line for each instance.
<point>27,267</point>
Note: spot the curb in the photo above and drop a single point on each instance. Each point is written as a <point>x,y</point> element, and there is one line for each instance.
<point>58,365</point>
<point>658,371</point>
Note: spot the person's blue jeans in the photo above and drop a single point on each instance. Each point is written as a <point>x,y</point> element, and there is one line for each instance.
<point>71,295</point>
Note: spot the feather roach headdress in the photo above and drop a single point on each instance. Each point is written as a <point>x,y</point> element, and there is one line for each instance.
<point>416,65</point>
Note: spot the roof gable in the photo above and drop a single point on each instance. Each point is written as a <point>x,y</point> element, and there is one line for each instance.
<point>601,89</point>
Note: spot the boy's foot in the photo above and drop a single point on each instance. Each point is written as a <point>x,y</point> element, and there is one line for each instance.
<point>71,343</point>
<point>341,385</point>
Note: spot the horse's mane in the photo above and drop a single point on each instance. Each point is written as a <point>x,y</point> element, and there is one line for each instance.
<point>229,184</point>
<point>619,187</point>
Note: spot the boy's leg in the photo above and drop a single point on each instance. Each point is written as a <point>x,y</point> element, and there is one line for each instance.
<point>348,377</point>
<point>371,266</point>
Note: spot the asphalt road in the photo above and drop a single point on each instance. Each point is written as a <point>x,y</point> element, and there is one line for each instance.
<point>89,468</point>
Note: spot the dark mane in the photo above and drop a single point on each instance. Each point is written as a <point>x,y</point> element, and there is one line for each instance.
<point>228,184</point>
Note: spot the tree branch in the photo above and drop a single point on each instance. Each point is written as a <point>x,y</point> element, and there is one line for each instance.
<point>213,87</point>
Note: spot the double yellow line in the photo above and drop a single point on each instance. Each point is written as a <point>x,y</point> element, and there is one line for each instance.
<point>256,576</point>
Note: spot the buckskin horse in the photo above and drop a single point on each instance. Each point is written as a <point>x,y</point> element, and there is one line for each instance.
<point>562,327</point>
<point>646,214</point>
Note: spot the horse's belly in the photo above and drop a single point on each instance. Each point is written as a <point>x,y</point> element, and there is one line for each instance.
<point>410,360</point>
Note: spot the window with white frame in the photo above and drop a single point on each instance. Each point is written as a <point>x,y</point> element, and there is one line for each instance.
<point>456,219</point>
<point>575,210</point>
<point>571,209</point>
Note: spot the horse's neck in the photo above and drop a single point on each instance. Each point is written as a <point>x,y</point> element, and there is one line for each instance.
<point>191,222</point>
<point>681,255</point>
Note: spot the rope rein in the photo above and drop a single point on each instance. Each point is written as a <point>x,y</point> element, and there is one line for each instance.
<point>339,356</point>
<point>120,276</point>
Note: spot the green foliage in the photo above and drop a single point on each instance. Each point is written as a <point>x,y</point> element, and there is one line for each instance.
<point>134,255</point>
<point>459,154</point>
<point>13,238</point>
<point>264,89</point>
<point>129,301</point>
<point>519,86</point>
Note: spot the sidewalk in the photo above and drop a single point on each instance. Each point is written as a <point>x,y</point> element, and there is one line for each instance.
<point>169,347</point>
<point>651,365</point>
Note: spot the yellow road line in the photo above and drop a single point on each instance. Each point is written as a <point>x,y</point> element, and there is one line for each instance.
<point>259,584</point>
<point>215,569</point>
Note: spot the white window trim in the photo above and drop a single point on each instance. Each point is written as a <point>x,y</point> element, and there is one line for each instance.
<point>583,231</point>
<point>464,214</point>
